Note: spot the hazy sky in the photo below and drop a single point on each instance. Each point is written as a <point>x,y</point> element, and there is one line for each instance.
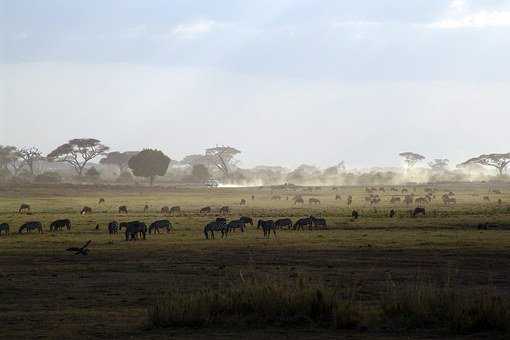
<point>285,81</point>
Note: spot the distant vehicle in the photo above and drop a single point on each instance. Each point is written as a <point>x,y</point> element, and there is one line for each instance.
<point>212,183</point>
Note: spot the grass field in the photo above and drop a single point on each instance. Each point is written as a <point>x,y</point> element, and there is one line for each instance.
<point>50,293</point>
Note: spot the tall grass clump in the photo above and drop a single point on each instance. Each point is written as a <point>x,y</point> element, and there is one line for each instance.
<point>256,303</point>
<point>425,305</point>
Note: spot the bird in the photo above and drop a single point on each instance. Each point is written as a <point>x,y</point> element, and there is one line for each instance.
<point>80,251</point>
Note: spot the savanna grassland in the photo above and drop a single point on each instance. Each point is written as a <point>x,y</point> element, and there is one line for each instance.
<point>48,292</point>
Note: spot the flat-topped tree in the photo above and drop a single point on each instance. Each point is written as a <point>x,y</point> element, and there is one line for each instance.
<point>30,156</point>
<point>439,164</point>
<point>78,152</point>
<point>149,163</point>
<point>411,158</point>
<point>120,159</point>
<point>496,160</point>
<point>222,157</point>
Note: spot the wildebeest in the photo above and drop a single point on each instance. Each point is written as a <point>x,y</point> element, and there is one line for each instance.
<point>5,228</point>
<point>32,225</point>
<point>60,224</point>
<point>246,220</point>
<point>134,228</point>
<point>101,201</point>
<point>302,222</point>
<point>165,210</point>
<point>113,227</point>
<point>205,210</point>
<point>224,210</point>
<point>267,226</point>
<point>24,208</point>
<point>213,226</point>
<point>243,202</point>
<point>283,222</point>
<point>418,211</point>
<point>253,197</point>
<point>235,224</point>
<point>354,215</point>
<point>175,210</point>
<point>314,201</point>
<point>160,224</point>
<point>86,210</point>
<point>319,222</point>
<point>123,209</point>
<point>392,213</point>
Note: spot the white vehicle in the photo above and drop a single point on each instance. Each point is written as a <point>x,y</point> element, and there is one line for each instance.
<point>212,183</point>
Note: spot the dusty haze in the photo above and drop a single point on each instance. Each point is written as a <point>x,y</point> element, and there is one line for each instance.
<point>286,82</point>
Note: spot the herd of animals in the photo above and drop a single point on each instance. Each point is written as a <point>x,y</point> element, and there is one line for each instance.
<point>138,229</point>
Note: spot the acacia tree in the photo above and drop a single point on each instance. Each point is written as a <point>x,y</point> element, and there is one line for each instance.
<point>120,159</point>
<point>411,158</point>
<point>7,153</point>
<point>496,160</point>
<point>78,152</point>
<point>149,163</point>
<point>439,164</point>
<point>30,156</point>
<point>222,157</point>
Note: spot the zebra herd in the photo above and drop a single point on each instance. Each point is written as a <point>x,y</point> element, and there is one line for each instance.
<point>221,225</point>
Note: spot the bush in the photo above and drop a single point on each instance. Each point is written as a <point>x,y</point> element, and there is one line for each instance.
<point>256,303</point>
<point>48,177</point>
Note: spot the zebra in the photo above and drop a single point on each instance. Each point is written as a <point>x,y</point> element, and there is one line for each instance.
<point>349,200</point>
<point>145,209</point>
<point>267,226</point>
<point>283,222</point>
<point>319,223</point>
<point>60,224</point>
<point>29,226</point>
<point>418,211</point>
<point>224,210</point>
<point>165,210</point>
<point>243,202</point>
<point>302,222</point>
<point>213,226</point>
<point>86,210</point>
<point>5,228</point>
<point>163,224</point>
<point>175,210</point>
<point>338,197</point>
<point>246,220</point>
<point>123,209</point>
<point>235,224</point>
<point>314,201</point>
<point>133,228</point>
<point>205,210</point>
<point>113,227</point>
<point>395,200</point>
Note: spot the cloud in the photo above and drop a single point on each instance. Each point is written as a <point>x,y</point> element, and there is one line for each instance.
<point>193,29</point>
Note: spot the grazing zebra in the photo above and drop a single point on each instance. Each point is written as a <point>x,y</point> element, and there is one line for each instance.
<point>235,224</point>
<point>283,222</point>
<point>101,201</point>
<point>86,210</point>
<point>5,228</point>
<point>224,210</point>
<point>319,223</point>
<point>246,220</point>
<point>243,202</point>
<point>123,209</point>
<point>213,226</point>
<point>160,224</point>
<point>60,224</point>
<point>134,228</point>
<point>303,222</point>
<point>418,211</point>
<point>175,210</point>
<point>205,210</point>
<point>314,201</point>
<point>23,208</point>
<point>267,226</point>
<point>355,215</point>
<point>29,226</point>
<point>165,210</point>
<point>420,201</point>
<point>113,227</point>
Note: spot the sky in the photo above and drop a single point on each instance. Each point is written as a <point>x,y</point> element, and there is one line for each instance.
<point>285,81</point>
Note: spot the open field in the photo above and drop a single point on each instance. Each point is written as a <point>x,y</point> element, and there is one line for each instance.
<point>48,292</point>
